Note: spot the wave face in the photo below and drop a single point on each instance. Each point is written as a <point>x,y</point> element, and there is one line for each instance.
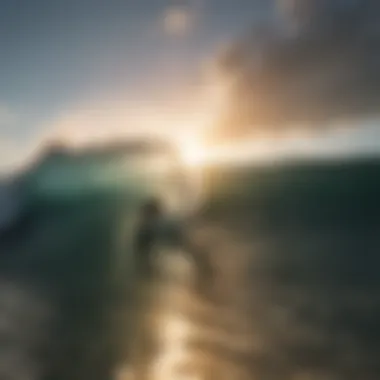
<point>294,292</point>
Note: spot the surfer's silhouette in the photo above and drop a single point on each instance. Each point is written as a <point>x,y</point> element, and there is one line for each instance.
<point>146,234</point>
<point>154,230</point>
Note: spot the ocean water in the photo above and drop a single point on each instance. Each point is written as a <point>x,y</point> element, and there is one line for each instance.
<point>294,292</point>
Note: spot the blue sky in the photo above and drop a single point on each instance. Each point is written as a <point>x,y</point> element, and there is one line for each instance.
<point>58,55</point>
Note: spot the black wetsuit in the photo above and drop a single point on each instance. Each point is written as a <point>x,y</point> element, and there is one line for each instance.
<point>145,238</point>
<point>159,232</point>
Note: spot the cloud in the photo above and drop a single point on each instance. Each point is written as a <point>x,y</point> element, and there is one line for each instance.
<point>178,20</point>
<point>316,66</point>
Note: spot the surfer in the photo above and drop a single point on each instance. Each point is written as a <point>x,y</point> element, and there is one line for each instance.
<point>155,230</point>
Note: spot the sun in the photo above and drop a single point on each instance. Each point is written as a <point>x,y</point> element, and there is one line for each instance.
<point>193,153</point>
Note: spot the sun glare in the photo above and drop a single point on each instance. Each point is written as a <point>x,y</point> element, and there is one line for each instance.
<point>174,334</point>
<point>192,152</point>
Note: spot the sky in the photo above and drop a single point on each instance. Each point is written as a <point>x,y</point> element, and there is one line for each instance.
<point>82,69</point>
<point>59,56</point>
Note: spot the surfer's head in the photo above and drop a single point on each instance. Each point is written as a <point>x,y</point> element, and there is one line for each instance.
<point>152,209</point>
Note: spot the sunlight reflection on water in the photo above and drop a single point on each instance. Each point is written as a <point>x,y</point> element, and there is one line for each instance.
<point>174,333</point>
<point>172,329</point>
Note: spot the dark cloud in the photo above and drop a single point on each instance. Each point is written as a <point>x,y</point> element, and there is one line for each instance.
<point>319,63</point>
